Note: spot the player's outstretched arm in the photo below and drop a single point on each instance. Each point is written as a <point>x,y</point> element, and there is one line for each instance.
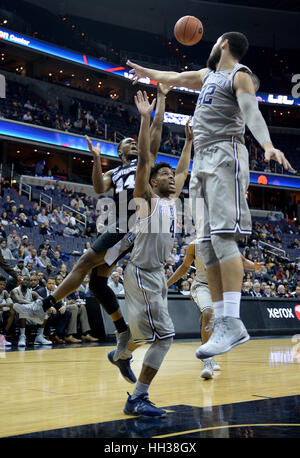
<point>157,124</point>
<point>101,183</point>
<point>191,80</point>
<point>252,266</point>
<point>187,262</point>
<point>245,94</point>
<point>142,187</point>
<point>182,168</point>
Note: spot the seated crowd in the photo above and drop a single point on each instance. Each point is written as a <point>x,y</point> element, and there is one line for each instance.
<point>43,266</point>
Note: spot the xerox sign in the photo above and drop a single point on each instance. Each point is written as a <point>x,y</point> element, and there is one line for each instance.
<point>281,312</point>
<point>271,316</point>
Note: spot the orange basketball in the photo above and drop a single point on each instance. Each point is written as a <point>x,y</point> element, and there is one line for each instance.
<point>188,30</point>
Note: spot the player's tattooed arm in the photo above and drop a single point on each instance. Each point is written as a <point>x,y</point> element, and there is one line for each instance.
<point>142,188</point>
<point>184,267</point>
<point>101,183</point>
<point>191,80</point>
<point>157,124</point>
<point>182,168</point>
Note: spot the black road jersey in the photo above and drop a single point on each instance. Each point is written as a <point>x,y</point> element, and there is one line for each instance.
<point>123,181</point>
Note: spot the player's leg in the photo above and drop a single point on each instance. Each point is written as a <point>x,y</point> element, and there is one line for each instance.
<point>138,403</point>
<point>201,295</point>
<point>228,216</point>
<point>108,300</point>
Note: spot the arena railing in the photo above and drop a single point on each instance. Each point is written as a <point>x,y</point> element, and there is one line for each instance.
<point>64,206</point>
<point>43,201</point>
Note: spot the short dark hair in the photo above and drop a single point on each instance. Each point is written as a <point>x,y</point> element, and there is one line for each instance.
<point>2,278</point>
<point>238,44</point>
<point>156,168</point>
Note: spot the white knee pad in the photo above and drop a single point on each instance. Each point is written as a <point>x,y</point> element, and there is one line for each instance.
<point>225,247</point>
<point>157,351</point>
<point>208,254</point>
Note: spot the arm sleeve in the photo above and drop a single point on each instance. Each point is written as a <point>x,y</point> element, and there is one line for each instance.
<point>253,118</point>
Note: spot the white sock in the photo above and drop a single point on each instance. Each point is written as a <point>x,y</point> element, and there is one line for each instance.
<point>139,389</point>
<point>218,308</point>
<point>232,301</point>
<point>22,331</point>
<point>40,332</point>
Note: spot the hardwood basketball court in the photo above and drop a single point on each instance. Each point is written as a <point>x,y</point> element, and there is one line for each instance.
<point>76,392</point>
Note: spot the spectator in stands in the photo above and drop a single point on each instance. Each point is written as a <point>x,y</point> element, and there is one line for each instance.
<point>4,218</point>
<point>28,105</point>
<point>119,269</point>
<point>6,253</point>
<point>42,218</point>
<point>185,288</point>
<point>27,117</point>
<point>255,292</point>
<point>268,292</point>
<point>59,320</point>
<point>115,284</point>
<point>63,270</point>
<point>24,221</point>
<point>78,201</point>
<point>45,260</point>
<point>13,243</point>
<point>175,255</point>
<point>87,245</point>
<point>33,259</point>
<point>281,291</point>
<point>70,231</point>
<point>296,293</point>
<point>76,304</point>
<point>24,295</point>
<point>7,313</point>
<point>34,281</point>
<point>41,279</point>
<point>2,231</point>
<point>56,260</point>
<point>20,266</point>
<point>39,168</point>
<point>58,279</point>
<point>7,204</point>
<point>64,219</point>
<point>13,215</point>
<point>84,287</point>
<point>246,288</point>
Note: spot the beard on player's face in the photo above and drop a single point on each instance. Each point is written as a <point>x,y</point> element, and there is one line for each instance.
<point>214,58</point>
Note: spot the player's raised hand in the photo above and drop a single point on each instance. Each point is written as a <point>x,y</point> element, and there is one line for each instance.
<point>258,266</point>
<point>137,70</point>
<point>142,103</point>
<point>188,130</point>
<point>277,155</point>
<point>94,150</point>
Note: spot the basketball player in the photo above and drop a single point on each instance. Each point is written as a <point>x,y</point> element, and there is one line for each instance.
<point>201,295</point>
<point>144,280</point>
<point>113,244</point>
<point>220,174</point>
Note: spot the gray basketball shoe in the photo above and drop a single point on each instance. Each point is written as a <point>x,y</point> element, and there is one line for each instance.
<point>228,332</point>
